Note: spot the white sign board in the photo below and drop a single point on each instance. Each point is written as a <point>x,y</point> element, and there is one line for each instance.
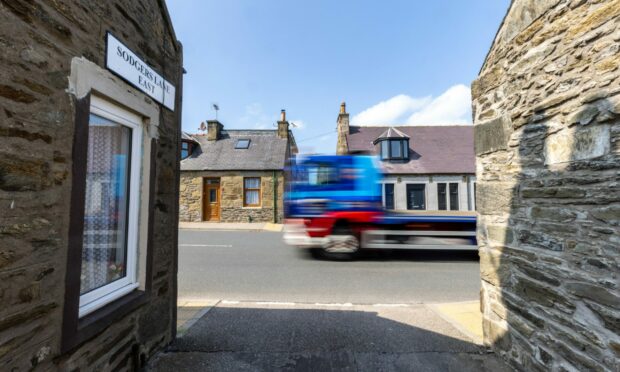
<point>126,64</point>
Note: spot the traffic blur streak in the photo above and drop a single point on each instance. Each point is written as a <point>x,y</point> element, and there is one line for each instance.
<point>334,204</point>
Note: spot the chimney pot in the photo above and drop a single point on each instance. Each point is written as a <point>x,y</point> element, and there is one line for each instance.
<point>343,108</point>
<point>282,115</point>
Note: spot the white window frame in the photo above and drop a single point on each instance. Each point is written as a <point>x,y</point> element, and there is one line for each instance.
<point>101,296</point>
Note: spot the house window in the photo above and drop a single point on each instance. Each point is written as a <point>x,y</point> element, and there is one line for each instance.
<point>416,196</point>
<point>251,191</point>
<point>242,144</point>
<point>388,195</point>
<point>186,149</point>
<point>110,236</point>
<point>442,201</point>
<point>454,196</point>
<point>445,201</point>
<point>394,149</point>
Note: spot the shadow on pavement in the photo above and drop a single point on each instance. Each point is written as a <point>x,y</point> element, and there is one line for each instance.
<point>235,338</point>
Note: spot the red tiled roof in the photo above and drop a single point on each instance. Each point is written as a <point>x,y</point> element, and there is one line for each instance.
<point>432,149</point>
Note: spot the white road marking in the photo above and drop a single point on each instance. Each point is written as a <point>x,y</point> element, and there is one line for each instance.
<point>275,303</point>
<point>206,245</point>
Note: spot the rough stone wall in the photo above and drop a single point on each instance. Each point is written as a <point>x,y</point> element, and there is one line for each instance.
<point>231,203</point>
<point>38,40</point>
<point>190,198</point>
<point>547,130</point>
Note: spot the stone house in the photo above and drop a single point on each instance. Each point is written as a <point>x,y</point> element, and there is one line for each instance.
<point>424,167</point>
<point>235,175</point>
<point>90,97</point>
<point>546,110</point>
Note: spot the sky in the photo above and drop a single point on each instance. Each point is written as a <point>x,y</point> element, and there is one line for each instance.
<point>407,62</point>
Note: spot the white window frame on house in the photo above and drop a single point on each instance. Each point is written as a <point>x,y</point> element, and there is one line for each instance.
<point>101,296</point>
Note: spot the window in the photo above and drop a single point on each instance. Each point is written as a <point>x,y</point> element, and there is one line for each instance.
<point>110,234</point>
<point>242,144</point>
<point>186,149</point>
<point>394,149</point>
<point>442,197</point>
<point>454,196</point>
<point>389,195</point>
<point>251,191</point>
<point>416,198</point>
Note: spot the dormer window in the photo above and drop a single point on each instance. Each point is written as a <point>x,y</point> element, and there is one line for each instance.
<point>242,144</point>
<point>394,149</point>
<point>186,149</point>
<point>393,145</point>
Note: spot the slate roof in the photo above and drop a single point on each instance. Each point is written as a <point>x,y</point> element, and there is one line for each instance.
<point>266,151</point>
<point>432,149</point>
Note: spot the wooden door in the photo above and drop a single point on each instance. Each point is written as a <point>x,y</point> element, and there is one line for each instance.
<point>211,199</point>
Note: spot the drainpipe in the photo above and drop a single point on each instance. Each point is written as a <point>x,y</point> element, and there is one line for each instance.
<point>275,198</point>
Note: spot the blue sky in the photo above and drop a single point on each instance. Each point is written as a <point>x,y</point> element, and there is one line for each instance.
<point>393,62</point>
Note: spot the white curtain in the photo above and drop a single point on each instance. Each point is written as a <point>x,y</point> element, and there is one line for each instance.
<point>252,196</point>
<point>105,217</point>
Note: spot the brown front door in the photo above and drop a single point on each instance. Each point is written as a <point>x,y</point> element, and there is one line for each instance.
<point>211,199</point>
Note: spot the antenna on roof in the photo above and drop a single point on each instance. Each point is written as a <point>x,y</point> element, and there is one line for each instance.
<point>216,108</point>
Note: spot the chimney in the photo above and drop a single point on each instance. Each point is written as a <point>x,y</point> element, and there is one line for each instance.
<point>283,125</point>
<point>343,130</point>
<point>214,130</point>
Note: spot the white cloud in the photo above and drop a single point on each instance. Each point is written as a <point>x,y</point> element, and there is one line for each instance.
<point>451,107</point>
<point>255,118</point>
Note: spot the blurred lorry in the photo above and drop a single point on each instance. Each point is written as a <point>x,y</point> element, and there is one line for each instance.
<point>334,206</point>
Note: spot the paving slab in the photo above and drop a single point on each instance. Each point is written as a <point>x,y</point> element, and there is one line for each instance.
<point>254,336</point>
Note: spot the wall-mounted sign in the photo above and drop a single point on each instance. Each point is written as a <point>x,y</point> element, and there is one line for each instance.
<point>126,64</point>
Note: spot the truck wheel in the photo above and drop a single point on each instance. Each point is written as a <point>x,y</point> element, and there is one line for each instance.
<point>343,245</point>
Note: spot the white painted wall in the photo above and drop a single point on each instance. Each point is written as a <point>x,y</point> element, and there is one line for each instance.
<point>466,189</point>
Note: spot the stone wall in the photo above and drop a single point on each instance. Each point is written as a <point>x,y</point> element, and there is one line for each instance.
<point>231,204</point>
<point>39,40</point>
<point>547,130</point>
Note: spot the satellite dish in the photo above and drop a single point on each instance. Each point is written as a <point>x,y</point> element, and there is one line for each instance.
<point>202,127</point>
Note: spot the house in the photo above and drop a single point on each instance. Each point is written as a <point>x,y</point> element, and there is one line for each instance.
<point>90,121</point>
<point>235,175</point>
<point>424,167</point>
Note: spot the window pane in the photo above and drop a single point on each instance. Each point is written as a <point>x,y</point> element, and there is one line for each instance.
<point>389,196</point>
<point>454,196</point>
<point>184,154</point>
<point>251,197</point>
<point>415,197</point>
<point>242,144</point>
<point>213,195</point>
<point>406,149</point>
<point>185,145</point>
<point>252,183</point>
<point>395,148</point>
<point>441,197</point>
<point>106,206</point>
<point>385,149</point>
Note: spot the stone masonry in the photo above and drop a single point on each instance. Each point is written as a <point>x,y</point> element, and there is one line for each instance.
<point>547,127</point>
<point>231,205</point>
<point>38,41</point>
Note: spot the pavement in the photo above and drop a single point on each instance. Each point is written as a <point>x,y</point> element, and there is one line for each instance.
<point>248,302</point>
<point>279,336</point>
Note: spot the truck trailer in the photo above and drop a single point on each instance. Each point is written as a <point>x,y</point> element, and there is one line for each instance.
<point>333,206</point>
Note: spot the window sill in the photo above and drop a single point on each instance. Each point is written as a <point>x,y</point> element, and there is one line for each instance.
<point>252,207</point>
<point>93,323</point>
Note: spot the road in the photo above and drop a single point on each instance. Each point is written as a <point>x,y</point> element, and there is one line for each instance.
<point>258,266</point>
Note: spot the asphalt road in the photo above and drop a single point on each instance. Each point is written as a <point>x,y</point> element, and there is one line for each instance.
<point>258,266</point>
